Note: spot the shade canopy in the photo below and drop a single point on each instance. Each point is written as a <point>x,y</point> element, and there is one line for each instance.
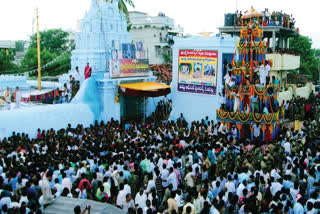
<point>144,89</point>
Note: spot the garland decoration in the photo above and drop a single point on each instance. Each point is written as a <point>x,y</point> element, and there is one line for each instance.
<point>222,114</point>
<point>268,118</point>
<point>257,117</point>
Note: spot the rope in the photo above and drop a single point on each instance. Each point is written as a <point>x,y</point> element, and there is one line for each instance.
<point>42,67</point>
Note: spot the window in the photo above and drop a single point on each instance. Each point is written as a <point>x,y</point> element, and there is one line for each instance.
<point>158,51</point>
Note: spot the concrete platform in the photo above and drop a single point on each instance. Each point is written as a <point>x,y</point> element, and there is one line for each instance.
<point>65,205</point>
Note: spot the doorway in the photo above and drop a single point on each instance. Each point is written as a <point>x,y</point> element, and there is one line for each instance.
<point>131,108</point>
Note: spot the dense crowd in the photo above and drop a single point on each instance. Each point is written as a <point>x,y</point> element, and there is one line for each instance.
<point>163,167</point>
<point>161,112</point>
<point>69,89</point>
<point>283,51</point>
<point>275,18</point>
<point>299,108</point>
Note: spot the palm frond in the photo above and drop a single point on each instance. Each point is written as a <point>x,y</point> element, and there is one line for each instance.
<point>128,2</point>
<point>123,8</point>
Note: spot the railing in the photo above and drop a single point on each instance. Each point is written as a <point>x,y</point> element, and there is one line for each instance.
<point>164,40</point>
<point>283,61</point>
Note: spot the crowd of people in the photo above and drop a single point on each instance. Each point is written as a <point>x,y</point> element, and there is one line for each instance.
<point>233,101</point>
<point>162,111</point>
<point>267,18</point>
<point>299,108</point>
<point>69,90</point>
<point>163,167</point>
<point>283,51</point>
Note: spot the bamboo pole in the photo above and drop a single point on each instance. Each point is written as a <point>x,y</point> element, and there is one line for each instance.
<point>38,50</point>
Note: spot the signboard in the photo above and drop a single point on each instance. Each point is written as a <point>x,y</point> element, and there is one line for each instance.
<point>114,54</point>
<point>198,71</point>
<point>128,51</point>
<point>115,44</point>
<point>119,54</point>
<point>129,68</point>
<point>139,46</point>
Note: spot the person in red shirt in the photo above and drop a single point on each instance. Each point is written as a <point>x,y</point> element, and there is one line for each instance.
<point>83,180</point>
<point>87,71</point>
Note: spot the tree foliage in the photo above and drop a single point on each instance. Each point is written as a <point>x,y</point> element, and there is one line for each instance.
<point>53,43</point>
<point>309,63</point>
<point>20,45</point>
<point>123,6</point>
<point>54,40</point>
<point>6,60</point>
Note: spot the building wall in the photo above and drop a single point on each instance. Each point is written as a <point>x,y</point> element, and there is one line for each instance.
<point>140,19</point>
<point>197,106</point>
<point>147,29</point>
<point>152,46</point>
<point>294,91</point>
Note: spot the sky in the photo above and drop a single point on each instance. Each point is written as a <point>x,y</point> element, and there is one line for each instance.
<point>17,16</point>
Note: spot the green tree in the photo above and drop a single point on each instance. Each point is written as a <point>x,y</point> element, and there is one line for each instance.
<point>123,6</point>
<point>20,45</point>
<point>309,63</point>
<point>55,49</point>
<point>6,60</point>
<point>167,56</point>
<point>54,40</point>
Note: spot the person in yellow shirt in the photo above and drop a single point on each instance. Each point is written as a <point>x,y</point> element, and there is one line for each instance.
<point>189,207</point>
<point>172,203</point>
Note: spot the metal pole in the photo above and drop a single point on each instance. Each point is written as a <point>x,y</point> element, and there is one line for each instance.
<point>166,106</point>
<point>38,50</point>
<point>144,110</point>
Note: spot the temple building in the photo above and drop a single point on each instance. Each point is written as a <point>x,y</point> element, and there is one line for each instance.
<point>118,65</point>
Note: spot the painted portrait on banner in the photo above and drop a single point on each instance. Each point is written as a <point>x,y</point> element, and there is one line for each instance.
<point>198,71</point>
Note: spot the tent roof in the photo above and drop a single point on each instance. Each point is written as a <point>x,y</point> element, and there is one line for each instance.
<point>144,86</point>
<point>66,205</point>
<point>145,89</point>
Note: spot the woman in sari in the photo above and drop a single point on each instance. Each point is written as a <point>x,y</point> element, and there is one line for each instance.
<point>87,72</point>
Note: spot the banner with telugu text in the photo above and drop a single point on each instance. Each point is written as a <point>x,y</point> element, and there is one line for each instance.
<point>129,68</point>
<point>198,71</point>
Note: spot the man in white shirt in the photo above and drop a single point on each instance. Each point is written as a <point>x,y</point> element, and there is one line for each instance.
<point>227,78</point>
<point>66,182</point>
<point>5,200</point>
<point>140,199</point>
<point>241,187</point>
<point>256,130</point>
<point>164,176</point>
<point>121,198</point>
<point>46,190</point>
<point>267,69</point>
<point>77,75</point>
<point>230,185</point>
<point>275,187</point>
<point>287,148</point>
<point>222,128</point>
<point>6,96</point>
<point>172,179</point>
<point>262,74</point>
<point>18,98</point>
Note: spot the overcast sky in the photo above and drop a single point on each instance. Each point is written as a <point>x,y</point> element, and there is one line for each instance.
<point>194,15</point>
